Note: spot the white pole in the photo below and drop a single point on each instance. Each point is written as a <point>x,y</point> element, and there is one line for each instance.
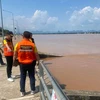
<point>13,23</point>
<point>12,19</point>
<point>1,19</point>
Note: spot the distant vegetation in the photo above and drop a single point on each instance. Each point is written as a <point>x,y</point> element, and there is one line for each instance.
<point>59,32</point>
<point>5,31</point>
<point>69,32</point>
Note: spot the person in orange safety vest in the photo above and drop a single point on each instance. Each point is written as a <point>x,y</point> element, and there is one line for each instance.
<point>8,53</point>
<point>26,53</point>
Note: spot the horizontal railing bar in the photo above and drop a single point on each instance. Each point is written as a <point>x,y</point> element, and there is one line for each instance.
<point>57,88</point>
<point>43,98</point>
<point>60,89</point>
<point>45,88</point>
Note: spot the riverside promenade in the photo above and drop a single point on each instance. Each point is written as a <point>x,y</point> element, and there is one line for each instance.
<point>11,90</point>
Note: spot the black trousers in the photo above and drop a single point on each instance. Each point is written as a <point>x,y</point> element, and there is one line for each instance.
<point>9,60</point>
<point>30,68</point>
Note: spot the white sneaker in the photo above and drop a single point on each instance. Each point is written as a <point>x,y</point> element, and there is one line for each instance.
<point>12,76</point>
<point>10,79</point>
<point>22,94</point>
<point>33,92</point>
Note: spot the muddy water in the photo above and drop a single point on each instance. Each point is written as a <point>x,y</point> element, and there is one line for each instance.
<point>68,44</point>
<point>78,72</point>
<point>80,68</point>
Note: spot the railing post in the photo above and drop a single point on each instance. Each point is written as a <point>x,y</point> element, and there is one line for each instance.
<point>41,86</point>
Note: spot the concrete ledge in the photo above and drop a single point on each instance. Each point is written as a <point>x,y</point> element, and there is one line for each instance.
<point>82,95</point>
<point>45,55</point>
<point>83,98</point>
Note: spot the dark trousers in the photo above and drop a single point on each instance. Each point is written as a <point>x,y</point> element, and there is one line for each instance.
<point>9,60</point>
<point>31,72</point>
<point>1,61</point>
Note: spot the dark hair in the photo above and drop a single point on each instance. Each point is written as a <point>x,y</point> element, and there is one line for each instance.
<point>9,33</point>
<point>26,34</point>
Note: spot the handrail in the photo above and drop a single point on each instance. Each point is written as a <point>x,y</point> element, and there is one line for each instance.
<point>44,91</point>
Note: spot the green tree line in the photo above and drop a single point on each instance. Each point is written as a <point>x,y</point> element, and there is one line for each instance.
<point>4,30</point>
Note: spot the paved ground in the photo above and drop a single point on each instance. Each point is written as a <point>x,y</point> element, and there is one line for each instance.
<point>10,90</point>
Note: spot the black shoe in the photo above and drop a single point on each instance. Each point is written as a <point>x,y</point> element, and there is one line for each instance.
<point>3,64</point>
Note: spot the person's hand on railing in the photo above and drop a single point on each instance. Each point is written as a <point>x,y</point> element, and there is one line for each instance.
<point>38,64</point>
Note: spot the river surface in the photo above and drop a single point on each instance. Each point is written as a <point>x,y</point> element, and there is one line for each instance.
<point>80,68</point>
<point>68,44</point>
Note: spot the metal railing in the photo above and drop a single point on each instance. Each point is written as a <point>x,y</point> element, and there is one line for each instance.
<point>46,87</point>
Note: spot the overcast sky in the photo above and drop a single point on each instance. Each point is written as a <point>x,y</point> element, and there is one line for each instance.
<point>52,15</point>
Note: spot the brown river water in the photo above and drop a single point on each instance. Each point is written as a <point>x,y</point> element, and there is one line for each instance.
<point>79,69</point>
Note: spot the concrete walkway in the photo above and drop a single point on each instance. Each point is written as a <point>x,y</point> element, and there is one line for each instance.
<point>11,90</point>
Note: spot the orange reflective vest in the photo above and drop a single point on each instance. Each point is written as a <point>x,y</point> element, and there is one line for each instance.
<point>26,51</point>
<point>9,43</point>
